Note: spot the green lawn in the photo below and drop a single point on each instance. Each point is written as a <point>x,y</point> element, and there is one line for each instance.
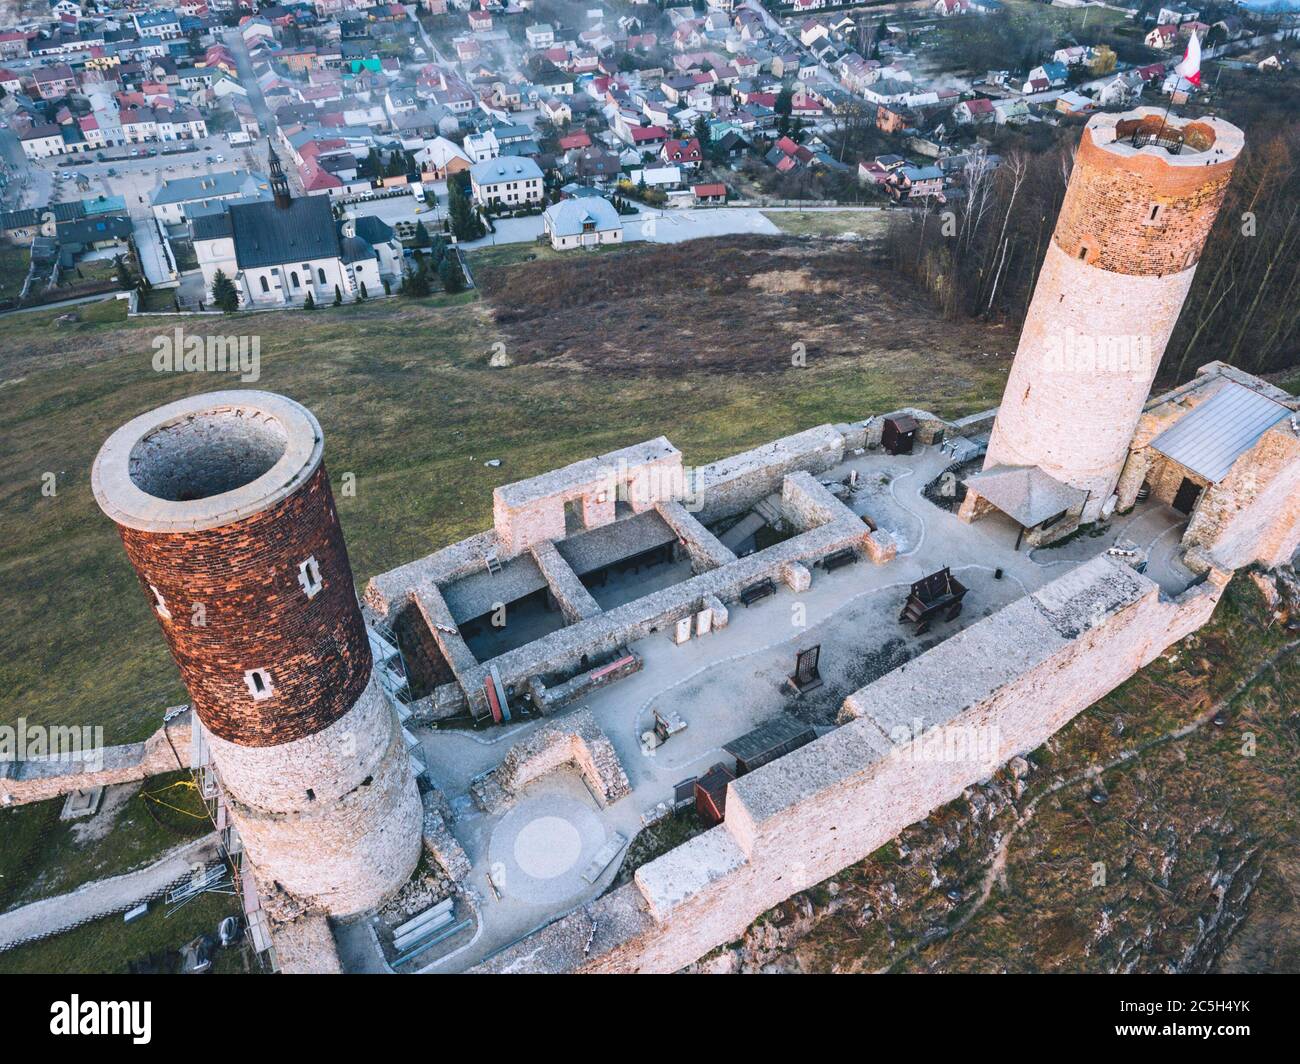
<point>43,855</point>
<point>408,404</point>
<point>13,270</point>
<point>865,224</point>
<point>108,946</point>
<point>511,254</point>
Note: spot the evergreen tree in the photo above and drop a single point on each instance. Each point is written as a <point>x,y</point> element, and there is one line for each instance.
<point>437,250</point>
<point>465,222</point>
<point>451,275</point>
<point>338,296</point>
<point>421,236</point>
<point>123,274</point>
<point>309,303</point>
<point>224,294</point>
<point>701,133</point>
<point>415,282</point>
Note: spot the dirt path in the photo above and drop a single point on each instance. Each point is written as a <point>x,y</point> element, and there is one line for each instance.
<point>104,896</point>
<point>997,867</point>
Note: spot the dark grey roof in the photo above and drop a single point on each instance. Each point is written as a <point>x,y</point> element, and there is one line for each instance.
<point>29,216</point>
<point>373,230</point>
<point>1219,431</point>
<point>210,226</point>
<point>776,737</point>
<point>355,249</point>
<point>267,235</point>
<point>1025,493</point>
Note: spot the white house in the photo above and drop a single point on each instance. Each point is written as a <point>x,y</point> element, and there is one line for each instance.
<point>42,141</point>
<point>541,35</point>
<point>587,222</point>
<point>481,147</point>
<point>507,181</point>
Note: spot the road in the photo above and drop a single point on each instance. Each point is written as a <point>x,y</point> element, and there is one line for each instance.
<point>244,65</point>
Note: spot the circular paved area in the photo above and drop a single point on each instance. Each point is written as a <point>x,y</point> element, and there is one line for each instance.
<point>542,846</point>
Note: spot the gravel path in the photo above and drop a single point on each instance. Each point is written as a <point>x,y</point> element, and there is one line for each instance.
<point>104,896</point>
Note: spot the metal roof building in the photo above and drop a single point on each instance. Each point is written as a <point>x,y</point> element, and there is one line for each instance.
<point>1215,434</point>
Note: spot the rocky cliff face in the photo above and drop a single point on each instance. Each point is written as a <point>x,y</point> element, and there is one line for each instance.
<point>1149,835</point>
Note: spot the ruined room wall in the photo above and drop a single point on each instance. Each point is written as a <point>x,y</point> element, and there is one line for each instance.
<point>571,595</point>
<point>705,549</point>
<point>736,483</point>
<point>658,611</point>
<point>1253,514</point>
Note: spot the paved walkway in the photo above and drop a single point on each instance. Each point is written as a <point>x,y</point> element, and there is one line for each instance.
<point>104,896</point>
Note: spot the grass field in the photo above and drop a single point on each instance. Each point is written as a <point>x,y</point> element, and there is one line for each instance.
<point>43,855</point>
<point>109,946</point>
<point>864,224</point>
<point>13,270</point>
<point>409,405</point>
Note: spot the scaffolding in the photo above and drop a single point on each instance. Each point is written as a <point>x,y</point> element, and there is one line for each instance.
<point>240,882</point>
<point>390,670</point>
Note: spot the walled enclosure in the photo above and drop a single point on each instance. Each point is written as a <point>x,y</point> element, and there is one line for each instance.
<point>1124,250</point>
<point>1118,267</point>
<point>226,514</point>
<point>786,467</point>
<point>998,689</point>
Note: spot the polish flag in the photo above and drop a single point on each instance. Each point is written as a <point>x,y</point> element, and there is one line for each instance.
<point>1190,67</point>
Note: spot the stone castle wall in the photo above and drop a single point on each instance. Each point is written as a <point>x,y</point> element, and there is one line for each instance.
<point>37,780</point>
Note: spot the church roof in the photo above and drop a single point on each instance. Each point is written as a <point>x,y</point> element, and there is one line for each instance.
<point>269,235</point>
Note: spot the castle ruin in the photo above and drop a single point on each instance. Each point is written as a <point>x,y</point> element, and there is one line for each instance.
<point>628,617</point>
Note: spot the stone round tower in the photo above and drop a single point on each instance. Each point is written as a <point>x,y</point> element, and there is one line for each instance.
<point>1121,260</point>
<point>226,513</point>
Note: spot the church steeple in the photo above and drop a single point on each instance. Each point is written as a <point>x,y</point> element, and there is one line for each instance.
<point>279,183</point>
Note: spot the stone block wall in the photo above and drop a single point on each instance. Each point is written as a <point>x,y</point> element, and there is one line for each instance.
<point>305,946</point>
<point>440,842</point>
<point>732,484</point>
<point>574,739</point>
<point>571,595</point>
<point>167,750</point>
<point>704,548</point>
<point>532,511</point>
<point>1253,514</point>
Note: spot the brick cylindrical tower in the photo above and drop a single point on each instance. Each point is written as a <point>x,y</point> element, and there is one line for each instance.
<point>1119,265</point>
<point>226,513</point>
